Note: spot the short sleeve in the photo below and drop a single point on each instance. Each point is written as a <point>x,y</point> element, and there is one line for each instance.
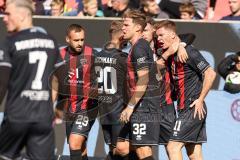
<point>196,60</point>
<point>60,58</point>
<point>141,55</point>
<point>5,58</point>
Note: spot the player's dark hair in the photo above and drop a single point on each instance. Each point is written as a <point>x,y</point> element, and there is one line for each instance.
<point>137,16</point>
<point>165,24</point>
<point>150,20</point>
<point>74,27</point>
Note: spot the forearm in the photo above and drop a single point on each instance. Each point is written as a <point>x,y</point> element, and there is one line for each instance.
<point>139,91</point>
<point>209,77</point>
<point>54,88</point>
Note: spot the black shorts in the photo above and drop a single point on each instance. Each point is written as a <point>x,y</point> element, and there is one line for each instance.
<point>111,133</point>
<point>167,121</point>
<point>37,138</point>
<point>188,129</point>
<point>144,128</point>
<point>80,124</point>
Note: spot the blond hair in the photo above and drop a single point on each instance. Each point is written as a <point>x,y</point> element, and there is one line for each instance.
<point>28,4</point>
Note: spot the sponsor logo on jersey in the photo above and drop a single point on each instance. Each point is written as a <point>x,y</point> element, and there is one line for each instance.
<point>138,137</point>
<point>83,61</point>
<point>141,60</point>
<point>201,65</point>
<point>35,95</point>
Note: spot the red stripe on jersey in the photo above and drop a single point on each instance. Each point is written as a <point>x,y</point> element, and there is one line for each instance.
<point>63,52</point>
<point>180,71</point>
<point>73,86</point>
<point>168,94</point>
<point>86,76</point>
<point>132,83</point>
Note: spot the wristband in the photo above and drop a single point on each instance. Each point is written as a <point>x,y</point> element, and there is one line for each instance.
<point>55,104</point>
<point>131,106</point>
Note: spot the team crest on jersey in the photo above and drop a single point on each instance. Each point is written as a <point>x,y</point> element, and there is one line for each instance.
<point>83,61</point>
<point>159,77</point>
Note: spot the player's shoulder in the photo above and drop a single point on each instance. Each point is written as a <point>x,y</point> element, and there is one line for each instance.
<point>141,43</point>
<point>192,51</point>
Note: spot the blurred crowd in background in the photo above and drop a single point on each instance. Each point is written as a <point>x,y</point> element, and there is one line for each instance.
<point>211,10</point>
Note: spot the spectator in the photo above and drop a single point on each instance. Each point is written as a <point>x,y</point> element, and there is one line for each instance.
<point>172,7</point>
<point>2,6</point>
<point>116,8</point>
<point>187,11</point>
<point>229,68</point>
<point>235,9</point>
<point>90,9</point>
<point>39,9</point>
<point>151,8</point>
<point>57,7</point>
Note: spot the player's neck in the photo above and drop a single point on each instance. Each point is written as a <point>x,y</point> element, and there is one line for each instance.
<point>135,38</point>
<point>25,26</point>
<point>115,43</point>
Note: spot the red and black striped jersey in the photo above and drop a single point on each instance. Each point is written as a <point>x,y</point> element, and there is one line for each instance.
<point>166,83</point>
<point>77,79</point>
<point>188,77</point>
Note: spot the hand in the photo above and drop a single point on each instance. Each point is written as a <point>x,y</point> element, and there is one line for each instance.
<point>199,109</point>
<point>182,54</point>
<point>126,114</point>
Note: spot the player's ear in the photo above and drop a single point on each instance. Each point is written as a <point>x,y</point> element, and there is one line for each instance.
<point>138,27</point>
<point>172,35</point>
<point>67,39</point>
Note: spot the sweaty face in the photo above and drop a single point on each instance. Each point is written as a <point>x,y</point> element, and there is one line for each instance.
<point>12,18</point>
<point>76,40</point>
<point>234,5</point>
<point>148,32</point>
<point>165,37</point>
<point>129,28</point>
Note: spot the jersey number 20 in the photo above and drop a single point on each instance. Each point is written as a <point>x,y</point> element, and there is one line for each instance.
<point>107,79</point>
